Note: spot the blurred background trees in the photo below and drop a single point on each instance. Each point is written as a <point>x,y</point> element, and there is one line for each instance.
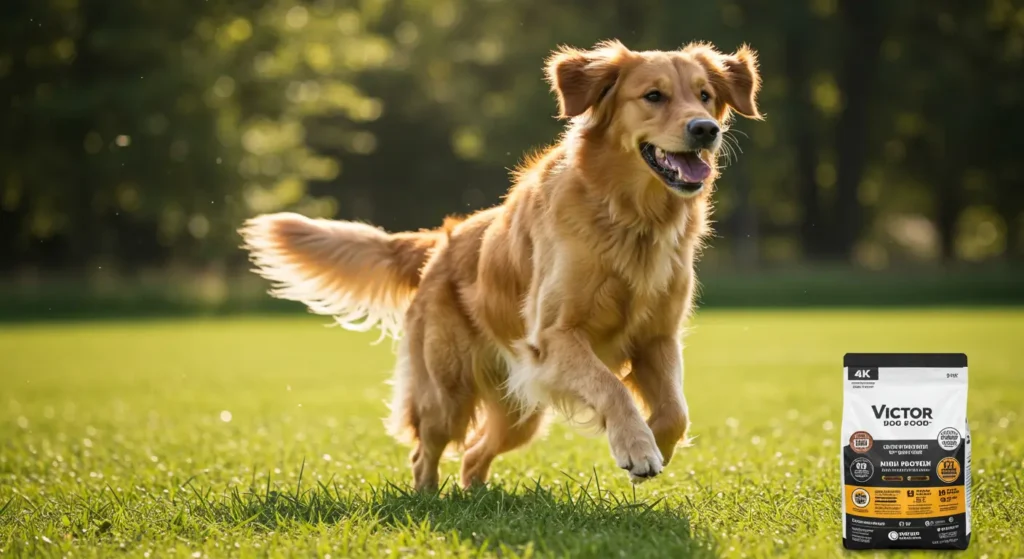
<point>137,135</point>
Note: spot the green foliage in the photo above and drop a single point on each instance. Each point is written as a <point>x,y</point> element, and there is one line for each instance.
<point>141,135</point>
<point>263,437</point>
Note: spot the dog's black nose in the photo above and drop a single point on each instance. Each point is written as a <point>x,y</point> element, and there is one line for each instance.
<point>702,132</point>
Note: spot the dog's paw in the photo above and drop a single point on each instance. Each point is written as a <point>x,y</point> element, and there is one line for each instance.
<point>636,451</point>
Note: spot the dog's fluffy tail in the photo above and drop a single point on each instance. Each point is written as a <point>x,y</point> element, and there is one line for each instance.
<point>359,274</point>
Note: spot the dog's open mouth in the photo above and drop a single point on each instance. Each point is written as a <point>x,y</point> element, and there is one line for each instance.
<point>683,171</point>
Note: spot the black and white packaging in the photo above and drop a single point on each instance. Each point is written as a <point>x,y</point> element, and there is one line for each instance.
<point>906,452</point>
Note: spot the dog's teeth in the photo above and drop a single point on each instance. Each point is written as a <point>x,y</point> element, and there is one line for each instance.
<point>659,153</point>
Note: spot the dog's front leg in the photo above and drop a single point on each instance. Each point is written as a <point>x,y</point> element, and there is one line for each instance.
<point>567,368</point>
<point>657,375</point>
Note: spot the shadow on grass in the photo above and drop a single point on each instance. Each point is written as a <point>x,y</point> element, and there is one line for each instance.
<point>564,519</point>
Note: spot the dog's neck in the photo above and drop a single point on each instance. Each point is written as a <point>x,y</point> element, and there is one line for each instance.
<point>631,195</point>
<point>601,194</point>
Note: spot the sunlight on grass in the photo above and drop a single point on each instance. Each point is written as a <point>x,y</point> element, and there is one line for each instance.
<point>264,436</point>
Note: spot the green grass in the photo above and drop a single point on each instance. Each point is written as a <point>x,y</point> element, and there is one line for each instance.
<point>260,437</point>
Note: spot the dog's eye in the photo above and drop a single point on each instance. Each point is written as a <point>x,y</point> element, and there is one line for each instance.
<point>705,96</point>
<point>653,96</point>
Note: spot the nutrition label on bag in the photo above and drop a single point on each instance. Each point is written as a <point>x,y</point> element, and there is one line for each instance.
<point>906,454</point>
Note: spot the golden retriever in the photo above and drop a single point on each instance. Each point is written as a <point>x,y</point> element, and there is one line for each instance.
<point>571,294</point>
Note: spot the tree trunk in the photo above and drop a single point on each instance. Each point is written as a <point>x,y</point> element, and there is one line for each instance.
<point>85,73</point>
<point>801,133</point>
<point>857,84</point>
<point>949,204</point>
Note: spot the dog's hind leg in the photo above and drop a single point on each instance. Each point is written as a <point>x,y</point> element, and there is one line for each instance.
<point>435,397</point>
<point>503,430</point>
<point>505,425</point>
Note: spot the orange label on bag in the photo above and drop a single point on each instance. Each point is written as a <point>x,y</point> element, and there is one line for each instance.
<point>904,502</point>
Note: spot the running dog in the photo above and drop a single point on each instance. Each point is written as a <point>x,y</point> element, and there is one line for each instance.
<point>572,294</point>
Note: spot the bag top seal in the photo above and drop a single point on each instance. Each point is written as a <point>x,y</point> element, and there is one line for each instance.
<point>912,360</point>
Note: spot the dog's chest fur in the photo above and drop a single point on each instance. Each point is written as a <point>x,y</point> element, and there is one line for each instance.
<point>641,275</point>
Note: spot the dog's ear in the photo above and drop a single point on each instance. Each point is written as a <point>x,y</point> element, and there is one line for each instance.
<point>738,81</point>
<point>582,78</point>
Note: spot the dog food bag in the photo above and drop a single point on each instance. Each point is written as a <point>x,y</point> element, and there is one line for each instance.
<point>906,452</point>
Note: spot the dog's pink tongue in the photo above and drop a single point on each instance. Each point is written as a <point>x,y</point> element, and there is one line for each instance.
<point>691,168</point>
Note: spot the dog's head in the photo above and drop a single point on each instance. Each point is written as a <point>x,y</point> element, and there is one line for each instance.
<point>668,108</point>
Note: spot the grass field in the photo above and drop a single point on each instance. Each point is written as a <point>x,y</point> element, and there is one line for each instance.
<point>262,437</point>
